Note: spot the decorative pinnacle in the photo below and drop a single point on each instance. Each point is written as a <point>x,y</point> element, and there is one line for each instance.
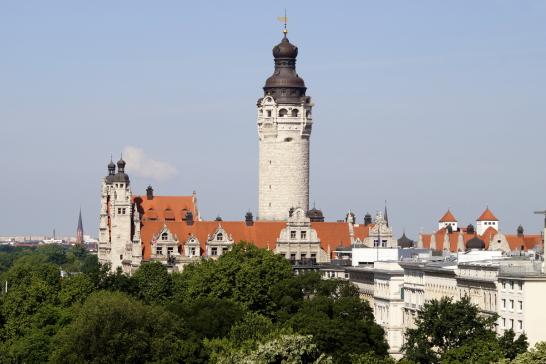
<point>283,19</point>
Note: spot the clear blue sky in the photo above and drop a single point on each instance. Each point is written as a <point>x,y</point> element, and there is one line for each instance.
<point>428,104</point>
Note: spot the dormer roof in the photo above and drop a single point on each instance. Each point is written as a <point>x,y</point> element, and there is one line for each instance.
<point>487,215</point>
<point>448,217</point>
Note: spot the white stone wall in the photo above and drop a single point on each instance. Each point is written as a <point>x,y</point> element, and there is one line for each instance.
<point>481,226</point>
<point>283,158</point>
<point>120,215</point>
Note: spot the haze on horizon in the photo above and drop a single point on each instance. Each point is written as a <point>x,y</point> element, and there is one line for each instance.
<point>429,105</point>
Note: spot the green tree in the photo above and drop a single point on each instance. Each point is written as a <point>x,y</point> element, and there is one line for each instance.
<point>512,346</point>
<point>152,283</point>
<point>75,289</point>
<point>444,325</point>
<point>479,351</point>
<point>283,348</point>
<point>340,327</point>
<point>536,355</point>
<point>245,274</point>
<point>112,327</point>
<point>371,358</point>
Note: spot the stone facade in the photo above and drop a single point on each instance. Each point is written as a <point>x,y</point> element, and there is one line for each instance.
<point>284,132</point>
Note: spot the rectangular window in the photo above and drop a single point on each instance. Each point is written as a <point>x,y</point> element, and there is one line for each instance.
<point>503,303</point>
<point>303,256</point>
<point>520,325</point>
<point>159,250</point>
<point>303,234</point>
<point>512,324</point>
<point>214,251</point>
<point>503,322</point>
<point>224,250</point>
<point>268,113</point>
<point>123,211</point>
<point>170,250</point>
<point>292,235</point>
<point>511,284</point>
<point>119,210</point>
<point>503,285</point>
<point>511,304</point>
<point>293,256</point>
<point>520,305</point>
<point>192,251</point>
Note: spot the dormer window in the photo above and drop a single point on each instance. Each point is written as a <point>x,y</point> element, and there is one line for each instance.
<point>164,236</point>
<point>219,236</point>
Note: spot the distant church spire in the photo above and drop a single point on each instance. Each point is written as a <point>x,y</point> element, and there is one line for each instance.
<point>385,216</point>
<point>79,230</point>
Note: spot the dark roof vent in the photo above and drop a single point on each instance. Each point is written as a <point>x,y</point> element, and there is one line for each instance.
<point>520,231</point>
<point>405,242</point>
<point>249,219</point>
<point>470,229</point>
<point>315,215</point>
<point>367,219</point>
<point>218,218</point>
<point>149,193</point>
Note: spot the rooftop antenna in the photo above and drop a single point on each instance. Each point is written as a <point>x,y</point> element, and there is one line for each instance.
<point>284,20</point>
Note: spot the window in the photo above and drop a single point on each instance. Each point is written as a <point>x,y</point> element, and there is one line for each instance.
<point>520,305</point>
<point>292,235</point>
<point>503,303</point>
<point>512,324</point>
<point>123,211</point>
<point>313,256</point>
<point>119,210</point>
<point>294,113</point>
<point>121,257</point>
<point>224,249</point>
<point>164,236</point>
<point>192,251</point>
<point>282,112</point>
<point>520,325</point>
<point>304,234</point>
<point>520,286</point>
<point>219,236</point>
<point>511,284</point>
<point>159,250</point>
<point>214,251</point>
<point>303,256</point>
<point>503,285</point>
<point>511,304</point>
<point>170,250</point>
<point>293,256</point>
<point>268,113</point>
<point>503,322</point>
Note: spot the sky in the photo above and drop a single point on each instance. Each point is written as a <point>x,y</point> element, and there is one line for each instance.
<point>429,105</point>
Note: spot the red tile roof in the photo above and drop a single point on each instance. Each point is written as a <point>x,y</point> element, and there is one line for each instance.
<point>166,208</point>
<point>448,217</point>
<point>487,215</point>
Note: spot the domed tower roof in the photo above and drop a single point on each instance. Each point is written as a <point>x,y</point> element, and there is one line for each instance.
<point>121,176</point>
<point>475,243</point>
<point>111,171</point>
<point>315,215</point>
<point>285,85</point>
<point>405,242</point>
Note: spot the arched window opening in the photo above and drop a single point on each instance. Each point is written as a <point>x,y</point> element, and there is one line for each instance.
<point>164,236</point>
<point>282,112</point>
<point>308,114</point>
<point>219,236</point>
<point>295,113</point>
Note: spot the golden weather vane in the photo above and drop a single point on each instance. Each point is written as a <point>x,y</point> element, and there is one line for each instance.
<point>283,19</point>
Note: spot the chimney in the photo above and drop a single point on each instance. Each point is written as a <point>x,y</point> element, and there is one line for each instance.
<point>149,193</point>
<point>189,218</point>
<point>249,219</point>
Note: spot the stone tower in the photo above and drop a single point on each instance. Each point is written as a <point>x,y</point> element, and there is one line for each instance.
<point>284,130</point>
<point>115,244</point>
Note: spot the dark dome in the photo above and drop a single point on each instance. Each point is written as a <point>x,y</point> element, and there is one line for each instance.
<point>470,229</point>
<point>285,85</point>
<point>121,164</point>
<point>475,243</point>
<point>111,165</point>
<point>285,49</point>
<point>405,242</point>
<point>315,215</point>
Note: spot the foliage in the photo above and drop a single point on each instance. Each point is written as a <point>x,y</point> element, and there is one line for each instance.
<point>536,355</point>
<point>371,358</point>
<point>112,327</point>
<point>445,325</point>
<point>152,283</point>
<point>512,346</point>
<point>479,351</point>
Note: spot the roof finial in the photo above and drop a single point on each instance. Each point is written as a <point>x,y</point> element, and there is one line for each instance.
<point>284,19</point>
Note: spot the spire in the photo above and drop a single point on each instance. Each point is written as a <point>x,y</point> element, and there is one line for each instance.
<point>385,216</point>
<point>79,230</point>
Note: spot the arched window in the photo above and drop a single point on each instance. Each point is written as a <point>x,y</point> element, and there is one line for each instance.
<point>219,236</point>
<point>308,114</point>
<point>294,113</point>
<point>282,112</point>
<point>164,236</point>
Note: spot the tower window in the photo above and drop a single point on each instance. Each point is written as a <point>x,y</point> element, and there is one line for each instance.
<point>304,234</point>
<point>292,235</point>
<point>294,112</point>
<point>282,112</point>
<point>268,113</point>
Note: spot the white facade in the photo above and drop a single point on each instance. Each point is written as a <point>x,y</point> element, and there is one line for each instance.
<point>284,132</point>
<point>481,226</point>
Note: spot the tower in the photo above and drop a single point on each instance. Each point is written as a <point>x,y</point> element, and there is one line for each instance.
<point>115,233</point>
<point>79,230</point>
<point>284,131</point>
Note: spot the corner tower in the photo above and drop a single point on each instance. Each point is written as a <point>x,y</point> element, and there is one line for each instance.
<point>284,130</point>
